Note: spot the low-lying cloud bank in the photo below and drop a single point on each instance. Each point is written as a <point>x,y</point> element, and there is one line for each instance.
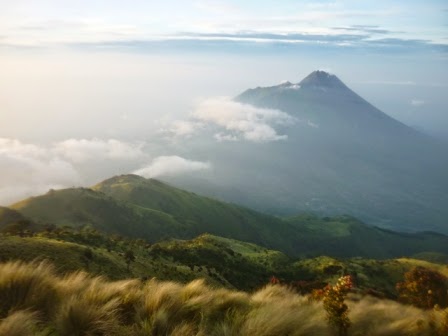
<point>170,166</point>
<point>29,169</point>
<point>81,150</point>
<point>234,121</point>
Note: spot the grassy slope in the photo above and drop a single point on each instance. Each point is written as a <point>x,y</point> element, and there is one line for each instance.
<point>136,207</point>
<point>221,261</point>
<point>80,206</point>
<point>202,214</point>
<point>172,213</point>
<point>68,257</point>
<point>77,304</point>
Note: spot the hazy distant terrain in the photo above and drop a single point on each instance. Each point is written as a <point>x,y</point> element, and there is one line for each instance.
<point>330,152</point>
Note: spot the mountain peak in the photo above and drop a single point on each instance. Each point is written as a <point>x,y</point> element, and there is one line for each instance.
<point>321,78</point>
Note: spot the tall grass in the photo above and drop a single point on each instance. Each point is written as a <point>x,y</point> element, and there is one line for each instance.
<point>27,286</point>
<point>35,301</point>
<point>19,323</point>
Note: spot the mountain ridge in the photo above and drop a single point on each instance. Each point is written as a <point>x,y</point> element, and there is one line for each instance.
<point>146,208</point>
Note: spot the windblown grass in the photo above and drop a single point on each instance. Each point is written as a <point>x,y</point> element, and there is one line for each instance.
<point>19,323</point>
<point>35,301</point>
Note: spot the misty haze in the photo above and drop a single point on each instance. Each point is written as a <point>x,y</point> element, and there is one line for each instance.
<point>220,168</point>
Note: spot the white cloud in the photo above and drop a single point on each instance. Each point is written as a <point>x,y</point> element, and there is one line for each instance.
<point>242,120</point>
<point>417,102</point>
<point>28,169</point>
<point>81,150</point>
<point>182,128</point>
<point>220,137</point>
<point>171,165</point>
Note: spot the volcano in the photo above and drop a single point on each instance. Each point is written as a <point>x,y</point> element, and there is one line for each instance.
<point>342,156</point>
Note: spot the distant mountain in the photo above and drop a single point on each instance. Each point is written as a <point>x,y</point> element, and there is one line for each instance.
<point>323,100</point>
<point>342,156</point>
<point>136,207</point>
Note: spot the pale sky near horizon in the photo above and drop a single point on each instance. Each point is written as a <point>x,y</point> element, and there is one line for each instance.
<point>100,71</point>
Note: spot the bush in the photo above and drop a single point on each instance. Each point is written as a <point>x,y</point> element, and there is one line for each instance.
<point>424,288</point>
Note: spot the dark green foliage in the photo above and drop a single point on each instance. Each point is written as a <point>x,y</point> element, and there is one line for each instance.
<point>87,256</point>
<point>129,257</point>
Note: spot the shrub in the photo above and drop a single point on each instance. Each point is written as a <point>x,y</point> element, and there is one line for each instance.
<point>337,310</point>
<point>424,288</point>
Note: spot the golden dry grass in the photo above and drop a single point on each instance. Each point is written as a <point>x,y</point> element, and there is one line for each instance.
<point>35,301</point>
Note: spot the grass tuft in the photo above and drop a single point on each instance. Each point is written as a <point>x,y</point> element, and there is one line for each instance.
<point>27,286</point>
<point>19,323</point>
<point>34,301</point>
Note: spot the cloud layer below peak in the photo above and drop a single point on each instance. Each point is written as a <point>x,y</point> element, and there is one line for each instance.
<point>171,166</point>
<point>234,121</point>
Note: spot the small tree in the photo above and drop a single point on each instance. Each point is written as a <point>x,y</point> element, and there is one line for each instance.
<point>424,288</point>
<point>334,305</point>
<point>129,257</point>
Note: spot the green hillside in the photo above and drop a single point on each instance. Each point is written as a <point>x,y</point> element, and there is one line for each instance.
<point>8,216</point>
<point>173,213</point>
<point>78,207</point>
<point>135,207</point>
<point>221,261</point>
<point>202,214</point>
<point>13,221</point>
